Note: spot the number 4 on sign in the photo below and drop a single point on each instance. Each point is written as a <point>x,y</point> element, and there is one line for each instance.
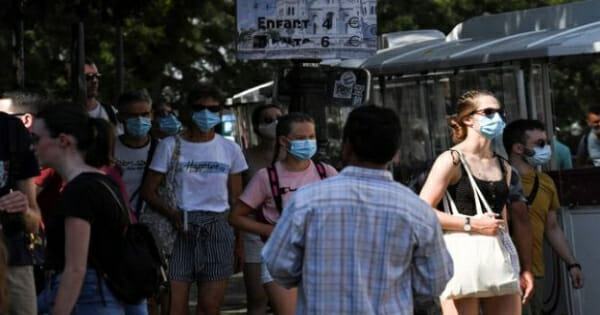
<point>328,23</point>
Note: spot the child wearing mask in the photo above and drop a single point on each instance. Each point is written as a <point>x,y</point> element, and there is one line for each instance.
<point>270,188</point>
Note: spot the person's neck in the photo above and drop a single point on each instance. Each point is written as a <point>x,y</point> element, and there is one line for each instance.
<point>195,135</point>
<point>370,165</point>
<point>521,165</point>
<point>477,145</point>
<point>134,142</point>
<point>294,165</point>
<point>266,144</point>
<point>72,167</point>
<point>91,103</point>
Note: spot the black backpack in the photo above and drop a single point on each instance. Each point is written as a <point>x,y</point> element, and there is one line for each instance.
<point>141,269</point>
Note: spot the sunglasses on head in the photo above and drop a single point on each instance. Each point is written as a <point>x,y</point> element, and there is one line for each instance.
<point>214,109</point>
<point>488,112</point>
<point>92,76</point>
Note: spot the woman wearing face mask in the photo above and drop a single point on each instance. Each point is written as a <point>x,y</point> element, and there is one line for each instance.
<point>166,123</point>
<point>207,175</point>
<point>478,121</point>
<point>264,124</point>
<point>270,188</point>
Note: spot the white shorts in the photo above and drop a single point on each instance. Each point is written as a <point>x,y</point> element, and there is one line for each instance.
<point>265,276</point>
<point>253,245</point>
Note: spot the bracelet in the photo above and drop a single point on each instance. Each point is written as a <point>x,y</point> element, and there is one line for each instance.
<point>575,265</point>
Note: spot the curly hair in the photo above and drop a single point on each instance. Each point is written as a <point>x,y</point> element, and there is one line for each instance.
<point>466,105</point>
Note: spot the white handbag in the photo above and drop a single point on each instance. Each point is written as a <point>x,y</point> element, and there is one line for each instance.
<point>484,265</point>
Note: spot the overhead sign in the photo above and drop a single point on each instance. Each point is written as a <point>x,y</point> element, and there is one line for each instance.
<point>306,29</point>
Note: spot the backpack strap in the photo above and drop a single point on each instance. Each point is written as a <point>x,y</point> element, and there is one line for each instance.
<point>534,190</point>
<point>321,170</point>
<point>110,112</point>
<point>274,185</point>
<point>139,203</point>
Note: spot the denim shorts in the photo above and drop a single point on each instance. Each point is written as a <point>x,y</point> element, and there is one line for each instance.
<point>94,299</point>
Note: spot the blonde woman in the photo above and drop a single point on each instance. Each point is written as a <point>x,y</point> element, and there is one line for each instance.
<point>478,121</point>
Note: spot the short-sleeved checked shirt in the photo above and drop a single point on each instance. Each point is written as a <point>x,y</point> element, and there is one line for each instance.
<point>358,243</point>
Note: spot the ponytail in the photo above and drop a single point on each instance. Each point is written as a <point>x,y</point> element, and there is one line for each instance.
<point>100,150</point>
<point>95,137</point>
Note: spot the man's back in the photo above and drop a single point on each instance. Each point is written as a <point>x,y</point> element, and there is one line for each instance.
<point>359,243</point>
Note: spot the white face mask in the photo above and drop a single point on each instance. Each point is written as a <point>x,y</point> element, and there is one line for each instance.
<point>268,130</point>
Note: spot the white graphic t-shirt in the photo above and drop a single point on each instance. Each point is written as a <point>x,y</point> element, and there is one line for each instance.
<point>132,162</point>
<point>203,172</point>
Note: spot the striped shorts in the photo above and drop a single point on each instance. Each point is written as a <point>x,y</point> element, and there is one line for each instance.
<point>205,252</point>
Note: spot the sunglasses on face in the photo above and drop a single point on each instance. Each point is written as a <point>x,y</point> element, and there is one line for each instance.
<point>198,108</point>
<point>92,76</point>
<point>489,112</point>
<point>269,120</point>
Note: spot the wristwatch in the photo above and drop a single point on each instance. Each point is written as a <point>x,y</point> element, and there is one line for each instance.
<point>467,226</point>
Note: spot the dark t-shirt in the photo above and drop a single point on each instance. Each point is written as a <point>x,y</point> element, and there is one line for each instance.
<point>17,162</point>
<point>87,199</point>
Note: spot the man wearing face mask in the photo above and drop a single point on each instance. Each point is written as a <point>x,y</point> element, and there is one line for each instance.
<point>588,151</point>
<point>527,144</point>
<point>134,147</point>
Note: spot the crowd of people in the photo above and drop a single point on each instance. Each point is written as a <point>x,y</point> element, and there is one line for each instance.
<point>309,240</point>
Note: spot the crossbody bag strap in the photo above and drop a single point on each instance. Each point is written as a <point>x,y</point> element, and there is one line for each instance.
<point>478,196</point>
<point>274,185</point>
<point>534,190</point>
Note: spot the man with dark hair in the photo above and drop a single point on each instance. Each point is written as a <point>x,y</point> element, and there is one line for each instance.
<point>527,144</point>
<point>19,214</point>
<point>588,151</point>
<point>23,105</point>
<point>95,108</point>
<point>359,242</point>
<point>134,148</point>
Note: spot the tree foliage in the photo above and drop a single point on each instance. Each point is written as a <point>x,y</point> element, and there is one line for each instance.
<point>170,45</point>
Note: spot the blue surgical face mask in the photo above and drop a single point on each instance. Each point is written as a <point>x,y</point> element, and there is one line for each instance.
<point>303,149</point>
<point>540,156</point>
<point>491,127</point>
<point>205,120</point>
<point>138,126</point>
<point>169,124</point>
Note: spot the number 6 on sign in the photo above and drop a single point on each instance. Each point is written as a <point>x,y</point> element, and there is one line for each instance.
<point>325,41</point>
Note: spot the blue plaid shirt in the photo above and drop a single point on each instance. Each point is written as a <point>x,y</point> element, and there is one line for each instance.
<point>358,243</point>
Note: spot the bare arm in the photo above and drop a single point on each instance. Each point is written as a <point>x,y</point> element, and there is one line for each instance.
<point>239,219</point>
<point>33,216</point>
<point>23,201</point>
<point>443,172</point>
<point>556,238</point>
<point>77,239</point>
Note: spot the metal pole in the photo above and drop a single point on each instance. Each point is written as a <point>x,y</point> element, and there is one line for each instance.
<point>79,91</point>
<point>120,60</point>
<point>18,46</point>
